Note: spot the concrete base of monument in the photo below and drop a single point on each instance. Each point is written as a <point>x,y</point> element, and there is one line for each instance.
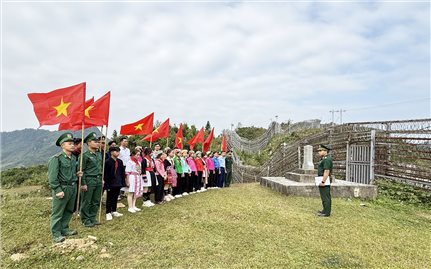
<point>339,188</point>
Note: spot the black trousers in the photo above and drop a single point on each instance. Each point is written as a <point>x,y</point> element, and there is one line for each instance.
<point>179,188</point>
<point>211,179</point>
<point>158,195</point>
<point>199,180</point>
<point>153,183</point>
<point>194,179</point>
<point>186,182</point>
<point>111,199</point>
<point>216,175</point>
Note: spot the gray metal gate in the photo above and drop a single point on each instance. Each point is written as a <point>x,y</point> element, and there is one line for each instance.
<point>360,162</point>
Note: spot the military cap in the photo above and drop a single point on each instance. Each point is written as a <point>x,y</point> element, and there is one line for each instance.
<point>114,149</point>
<point>324,147</point>
<point>90,137</point>
<point>66,137</point>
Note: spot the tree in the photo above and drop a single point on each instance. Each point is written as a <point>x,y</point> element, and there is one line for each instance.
<point>114,135</point>
<point>208,127</point>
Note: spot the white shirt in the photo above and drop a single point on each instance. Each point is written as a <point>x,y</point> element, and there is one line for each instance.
<point>222,162</point>
<point>124,155</point>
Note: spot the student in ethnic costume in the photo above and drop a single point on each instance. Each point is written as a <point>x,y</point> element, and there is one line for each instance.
<point>186,171</point>
<point>194,172</point>
<point>178,190</point>
<point>210,167</point>
<point>114,177</point>
<point>161,176</point>
<point>200,170</point>
<point>216,168</point>
<point>134,181</point>
<point>171,175</point>
<point>148,176</point>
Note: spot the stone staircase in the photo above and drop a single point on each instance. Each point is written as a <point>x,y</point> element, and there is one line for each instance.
<point>301,183</point>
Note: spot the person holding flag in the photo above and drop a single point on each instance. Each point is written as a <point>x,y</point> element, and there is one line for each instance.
<point>91,188</point>
<point>62,178</point>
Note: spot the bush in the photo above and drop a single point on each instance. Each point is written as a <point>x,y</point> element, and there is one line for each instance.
<point>403,192</point>
<point>25,176</point>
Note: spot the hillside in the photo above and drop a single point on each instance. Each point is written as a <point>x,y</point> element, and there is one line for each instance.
<point>29,147</point>
<point>245,226</point>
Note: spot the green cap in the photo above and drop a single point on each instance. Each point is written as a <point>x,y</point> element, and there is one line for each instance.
<point>66,137</point>
<point>90,137</point>
<point>324,147</point>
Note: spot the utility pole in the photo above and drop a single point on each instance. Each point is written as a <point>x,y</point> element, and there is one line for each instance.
<point>341,115</point>
<point>333,113</point>
<point>337,111</point>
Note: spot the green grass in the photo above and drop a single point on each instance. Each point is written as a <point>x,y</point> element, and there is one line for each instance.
<point>240,227</point>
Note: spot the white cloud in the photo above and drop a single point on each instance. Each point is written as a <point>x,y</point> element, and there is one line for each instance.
<point>223,63</point>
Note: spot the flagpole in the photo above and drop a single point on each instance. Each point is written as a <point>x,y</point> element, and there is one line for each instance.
<point>103,172</point>
<point>80,170</point>
<point>151,140</point>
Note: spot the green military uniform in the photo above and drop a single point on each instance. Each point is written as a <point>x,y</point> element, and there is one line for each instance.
<point>229,164</point>
<point>92,178</point>
<point>325,191</point>
<point>62,178</point>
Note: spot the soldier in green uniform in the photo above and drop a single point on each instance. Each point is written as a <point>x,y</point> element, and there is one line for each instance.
<point>91,181</point>
<point>229,164</point>
<point>325,170</point>
<point>62,178</point>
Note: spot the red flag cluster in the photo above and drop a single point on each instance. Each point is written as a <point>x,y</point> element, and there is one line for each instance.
<point>67,107</point>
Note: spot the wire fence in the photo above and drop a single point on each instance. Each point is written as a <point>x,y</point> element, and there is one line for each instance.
<point>402,151</point>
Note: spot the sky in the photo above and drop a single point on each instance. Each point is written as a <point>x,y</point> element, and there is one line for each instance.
<point>221,62</point>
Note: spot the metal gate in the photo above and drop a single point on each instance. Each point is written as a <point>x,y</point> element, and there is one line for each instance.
<point>360,162</point>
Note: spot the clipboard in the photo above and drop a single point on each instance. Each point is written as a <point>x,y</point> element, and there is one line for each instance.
<point>318,180</point>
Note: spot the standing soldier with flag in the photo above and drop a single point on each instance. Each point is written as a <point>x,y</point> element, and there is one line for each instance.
<point>62,177</point>
<point>91,181</point>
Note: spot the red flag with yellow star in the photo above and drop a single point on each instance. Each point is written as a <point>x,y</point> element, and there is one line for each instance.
<point>57,106</point>
<point>74,127</point>
<point>160,132</point>
<point>198,138</point>
<point>179,137</point>
<point>207,143</point>
<point>141,127</point>
<point>98,112</point>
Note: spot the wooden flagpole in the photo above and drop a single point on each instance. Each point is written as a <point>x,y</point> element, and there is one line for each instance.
<point>103,172</point>
<point>80,170</point>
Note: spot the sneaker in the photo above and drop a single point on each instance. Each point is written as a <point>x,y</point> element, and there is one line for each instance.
<point>178,196</point>
<point>136,209</point>
<point>151,204</point>
<point>171,196</point>
<point>167,199</point>
<point>131,210</point>
<point>198,191</point>
<point>203,189</point>
<point>185,194</point>
<point>116,214</point>
<point>322,215</point>
<point>146,204</point>
<point>108,216</point>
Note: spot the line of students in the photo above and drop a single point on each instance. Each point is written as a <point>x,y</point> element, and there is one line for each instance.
<point>168,174</point>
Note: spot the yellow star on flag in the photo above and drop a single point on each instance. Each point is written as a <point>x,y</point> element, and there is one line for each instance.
<point>139,126</point>
<point>87,111</point>
<point>62,108</point>
<point>180,140</point>
<point>156,130</point>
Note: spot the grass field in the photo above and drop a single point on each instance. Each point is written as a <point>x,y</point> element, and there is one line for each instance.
<point>239,227</point>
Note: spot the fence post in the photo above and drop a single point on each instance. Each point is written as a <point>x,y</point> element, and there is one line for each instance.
<point>299,156</point>
<point>347,161</point>
<point>372,155</point>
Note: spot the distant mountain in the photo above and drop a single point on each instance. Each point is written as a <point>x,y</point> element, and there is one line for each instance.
<point>29,147</point>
